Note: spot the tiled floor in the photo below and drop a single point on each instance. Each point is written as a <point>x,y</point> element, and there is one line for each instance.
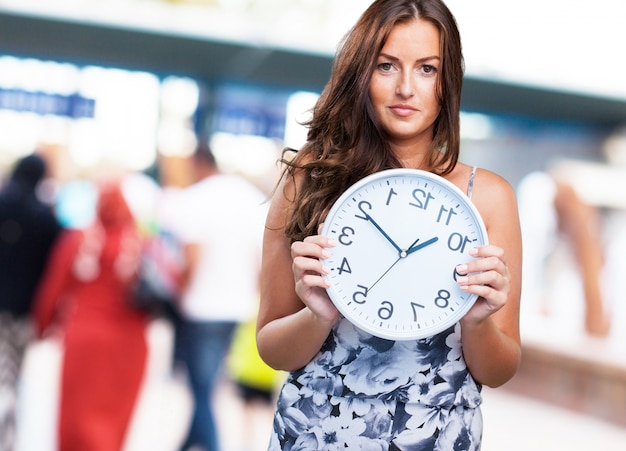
<point>511,422</point>
<point>515,423</point>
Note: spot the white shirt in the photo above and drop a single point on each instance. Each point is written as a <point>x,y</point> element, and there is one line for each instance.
<point>224,215</point>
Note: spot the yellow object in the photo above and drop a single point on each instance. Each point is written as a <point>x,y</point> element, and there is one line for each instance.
<point>244,363</point>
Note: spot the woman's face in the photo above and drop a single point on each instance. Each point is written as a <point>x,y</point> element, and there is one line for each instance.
<point>403,88</point>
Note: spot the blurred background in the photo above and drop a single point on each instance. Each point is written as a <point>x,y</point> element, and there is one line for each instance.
<point>100,86</point>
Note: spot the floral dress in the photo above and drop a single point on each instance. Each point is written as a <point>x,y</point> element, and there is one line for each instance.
<point>362,392</point>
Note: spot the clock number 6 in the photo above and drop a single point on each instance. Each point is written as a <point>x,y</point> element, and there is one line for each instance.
<point>386,310</point>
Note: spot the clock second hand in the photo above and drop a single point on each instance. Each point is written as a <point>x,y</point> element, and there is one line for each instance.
<point>385,273</point>
<point>404,254</point>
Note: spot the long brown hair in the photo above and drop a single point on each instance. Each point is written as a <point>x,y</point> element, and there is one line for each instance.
<point>345,142</point>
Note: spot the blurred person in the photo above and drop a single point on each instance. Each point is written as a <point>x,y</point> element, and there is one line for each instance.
<point>28,230</point>
<point>572,217</point>
<point>580,223</point>
<point>220,224</point>
<point>392,101</point>
<point>564,235</point>
<point>256,384</point>
<point>162,257</point>
<point>85,297</point>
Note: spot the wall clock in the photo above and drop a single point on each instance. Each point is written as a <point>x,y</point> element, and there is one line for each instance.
<point>401,233</point>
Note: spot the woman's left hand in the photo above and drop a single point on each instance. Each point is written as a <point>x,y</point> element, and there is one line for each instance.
<point>488,276</point>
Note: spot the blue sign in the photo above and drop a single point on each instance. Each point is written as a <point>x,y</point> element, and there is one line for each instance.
<point>73,106</point>
<point>250,110</point>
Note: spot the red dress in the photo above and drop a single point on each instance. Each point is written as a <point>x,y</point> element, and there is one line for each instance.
<point>86,291</point>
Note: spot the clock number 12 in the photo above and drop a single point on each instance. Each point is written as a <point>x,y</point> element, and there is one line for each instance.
<point>421,199</point>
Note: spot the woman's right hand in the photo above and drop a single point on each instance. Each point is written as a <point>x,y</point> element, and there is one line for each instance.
<point>308,269</point>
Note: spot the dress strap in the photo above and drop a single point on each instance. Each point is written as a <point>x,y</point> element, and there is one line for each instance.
<point>470,184</point>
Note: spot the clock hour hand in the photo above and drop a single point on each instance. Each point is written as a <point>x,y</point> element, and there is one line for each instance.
<point>416,247</point>
<point>380,229</point>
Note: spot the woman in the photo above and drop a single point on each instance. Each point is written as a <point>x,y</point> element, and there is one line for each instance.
<point>28,230</point>
<point>86,292</point>
<point>393,101</point>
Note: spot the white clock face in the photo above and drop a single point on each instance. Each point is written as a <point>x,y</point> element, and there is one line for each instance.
<point>400,234</point>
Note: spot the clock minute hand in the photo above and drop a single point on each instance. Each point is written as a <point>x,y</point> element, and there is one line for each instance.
<point>380,229</point>
<point>414,248</point>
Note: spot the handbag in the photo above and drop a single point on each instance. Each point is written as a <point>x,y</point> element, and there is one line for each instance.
<point>157,285</point>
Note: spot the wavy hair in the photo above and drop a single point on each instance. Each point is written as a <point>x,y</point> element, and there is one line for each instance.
<point>345,141</point>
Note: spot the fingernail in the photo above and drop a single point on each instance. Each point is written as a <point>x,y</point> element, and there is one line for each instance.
<point>474,251</point>
<point>325,270</point>
<point>325,253</point>
<point>331,242</point>
<point>462,280</point>
<point>461,269</point>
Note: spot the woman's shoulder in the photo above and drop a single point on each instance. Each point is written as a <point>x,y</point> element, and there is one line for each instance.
<point>490,185</point>
<point>489,191</point>
<point>481,179</point>
<point>494,197</point>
